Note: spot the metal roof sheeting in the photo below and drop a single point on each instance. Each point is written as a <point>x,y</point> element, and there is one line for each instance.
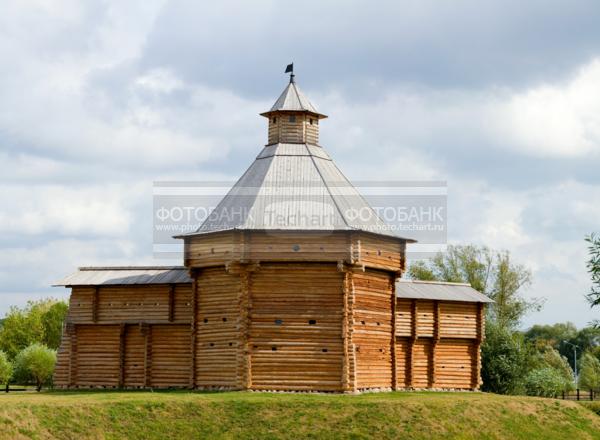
<point>434,290</point>
<point>102,276</point>
<point>292,99</point>
<point>294,187</point>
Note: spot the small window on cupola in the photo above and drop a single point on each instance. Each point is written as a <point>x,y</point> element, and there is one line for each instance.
<point>292,118</point>
<point>274,120</point>
<point>310,120</point>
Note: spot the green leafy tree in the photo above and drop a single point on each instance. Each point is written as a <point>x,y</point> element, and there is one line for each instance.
<point>490,272</point>
<point>504,357</point>
<point>36,363</point>
<point>547,357</point>
<point>39,321</point>
<point>6,369</point>
<point>593,266</point>
<point>551,335</point>
<point>589,376</point>
<point>52,322</point>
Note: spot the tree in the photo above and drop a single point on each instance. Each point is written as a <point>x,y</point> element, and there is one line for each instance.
<point>504,360</point>
<point>491,272</point>
<point>39,321</point>
<point>52,322</point>
<point>593,266</point>
<point>551,335</point>
<point>36,363</point>
<point>589,376</point>
<point>6,369</point>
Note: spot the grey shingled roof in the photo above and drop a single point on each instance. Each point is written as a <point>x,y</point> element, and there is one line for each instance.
<point>294,187</point>
<point>441,291</point>
<point>101,276</point>
<point>292,99</point>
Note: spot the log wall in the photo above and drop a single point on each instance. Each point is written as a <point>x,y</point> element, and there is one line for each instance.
<point>293,128</point>
<point>438,344</point>
<point>217,341</point>
<point>322,316</point>
<point>372,321</point>
<point>296,327</point>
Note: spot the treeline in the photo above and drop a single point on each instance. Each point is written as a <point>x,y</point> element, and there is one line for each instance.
<point>539,361</point>
<point>29,339</point>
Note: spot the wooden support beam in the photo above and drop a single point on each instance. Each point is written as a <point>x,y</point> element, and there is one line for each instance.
<point>171,302</point>
<point>245,349</point>
<point>414,335</point>
<point>476,376</point>
<point>346,325</point>
<point>122,348</point>
<point>393,336</point>
<point>95,300</point>
<point>72,332</point>
<point>147,332</point>
<point>193,328</point>
<point>434,345</point>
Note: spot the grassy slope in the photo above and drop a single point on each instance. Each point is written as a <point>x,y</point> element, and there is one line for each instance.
<point>257,415</point>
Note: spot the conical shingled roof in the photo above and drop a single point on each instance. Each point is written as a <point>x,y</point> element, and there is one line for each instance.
<point>292,99</point>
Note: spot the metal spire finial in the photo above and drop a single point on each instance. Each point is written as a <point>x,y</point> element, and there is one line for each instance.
<point>290,69</point>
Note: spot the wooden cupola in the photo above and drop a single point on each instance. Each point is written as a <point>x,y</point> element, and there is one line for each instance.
<point>293,119</point>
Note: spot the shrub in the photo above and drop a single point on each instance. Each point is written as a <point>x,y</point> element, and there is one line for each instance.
<point>6,369</point>
<point>504,360</point>
<point>545,382</point>
<point>36,363</point>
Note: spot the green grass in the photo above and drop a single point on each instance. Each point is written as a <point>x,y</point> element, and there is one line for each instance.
<point>243,415</point>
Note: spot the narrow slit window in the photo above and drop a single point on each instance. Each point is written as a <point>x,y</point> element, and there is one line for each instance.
<point>312,321</point>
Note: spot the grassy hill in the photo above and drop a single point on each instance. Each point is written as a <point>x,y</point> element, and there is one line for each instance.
<point>147,415</point>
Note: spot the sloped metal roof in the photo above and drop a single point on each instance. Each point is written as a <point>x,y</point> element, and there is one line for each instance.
<point>294,187</point>
<point>441,291</point>
<point>292,99</point>
<point>102,276</point>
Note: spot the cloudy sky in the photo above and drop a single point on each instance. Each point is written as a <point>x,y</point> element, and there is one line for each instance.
<point>100,99</point>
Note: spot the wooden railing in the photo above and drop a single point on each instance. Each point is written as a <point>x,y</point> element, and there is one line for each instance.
<point>580,395</point>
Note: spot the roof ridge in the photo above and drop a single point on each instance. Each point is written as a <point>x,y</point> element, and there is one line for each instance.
<point>312,158</point>
<point>98,268</point>
<point>451,283</point>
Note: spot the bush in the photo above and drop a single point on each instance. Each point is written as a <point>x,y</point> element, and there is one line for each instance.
<point>36,363</point>
<point>6,369</point>
<point>545,382</point>
<point>504,359</point>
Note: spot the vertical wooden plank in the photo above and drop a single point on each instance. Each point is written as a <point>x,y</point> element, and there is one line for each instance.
<point>147,332</point>
<point>352,375</point>
<point>413,340</point>
<point>393,336</point>
<point>72,330</point>
<point>122,355</point>
<point>171,302</point>
<point>476,378</point>
<point>95,299</point>
<point>244,349</point>
<point>434,345</point>
<point>346,324</point>
<point>194,328</point>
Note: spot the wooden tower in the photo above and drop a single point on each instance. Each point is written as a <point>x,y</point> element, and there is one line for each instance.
<point>292,283</point>
<point>294,272</point>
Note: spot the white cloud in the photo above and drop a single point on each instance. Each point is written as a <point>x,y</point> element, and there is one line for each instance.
<point>556,120</point>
